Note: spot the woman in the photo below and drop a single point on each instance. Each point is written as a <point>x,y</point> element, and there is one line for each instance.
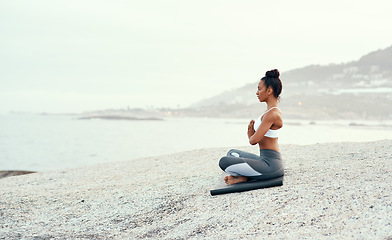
<point>243,166</point>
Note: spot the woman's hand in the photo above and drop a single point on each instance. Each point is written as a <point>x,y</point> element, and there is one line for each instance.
<point>251,129</point>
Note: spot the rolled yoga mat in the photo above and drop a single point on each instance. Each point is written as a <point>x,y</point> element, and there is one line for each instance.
<point>247,186</point>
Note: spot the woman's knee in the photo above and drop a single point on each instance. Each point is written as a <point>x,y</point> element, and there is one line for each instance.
<point>233,153</point>
<point>223,163</point>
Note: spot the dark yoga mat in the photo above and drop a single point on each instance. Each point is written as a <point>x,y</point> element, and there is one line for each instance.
<point>247,186</point>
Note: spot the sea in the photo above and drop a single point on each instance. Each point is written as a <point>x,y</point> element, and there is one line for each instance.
<point>35,142</point>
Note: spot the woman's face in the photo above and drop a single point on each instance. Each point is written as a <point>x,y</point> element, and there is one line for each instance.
<point>261,91</point>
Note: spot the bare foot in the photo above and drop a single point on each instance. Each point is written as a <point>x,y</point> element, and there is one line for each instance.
<point>229,180</point>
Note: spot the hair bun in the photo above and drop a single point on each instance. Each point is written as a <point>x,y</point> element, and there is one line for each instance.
<point>273,73</point>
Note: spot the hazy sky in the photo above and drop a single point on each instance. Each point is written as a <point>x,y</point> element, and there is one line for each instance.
<point>72,56</point>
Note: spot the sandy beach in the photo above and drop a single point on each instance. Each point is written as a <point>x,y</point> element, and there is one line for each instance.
<point>330,191</point>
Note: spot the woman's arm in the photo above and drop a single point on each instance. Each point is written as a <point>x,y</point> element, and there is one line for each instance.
<point>266,123</point>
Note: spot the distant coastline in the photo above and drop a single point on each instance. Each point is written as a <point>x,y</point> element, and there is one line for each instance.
<point>236,111</point>
<point>114,117</point>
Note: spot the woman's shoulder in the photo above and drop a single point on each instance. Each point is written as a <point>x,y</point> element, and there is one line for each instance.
<point>273,114</point>
<point>277,112</point>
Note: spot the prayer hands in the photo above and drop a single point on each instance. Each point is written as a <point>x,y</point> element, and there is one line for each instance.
<point>251,129</point>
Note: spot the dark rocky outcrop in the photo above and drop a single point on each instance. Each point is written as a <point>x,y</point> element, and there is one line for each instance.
<point>4,174</point>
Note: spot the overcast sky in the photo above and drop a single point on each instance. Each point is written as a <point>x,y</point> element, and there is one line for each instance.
<point>73,56</point>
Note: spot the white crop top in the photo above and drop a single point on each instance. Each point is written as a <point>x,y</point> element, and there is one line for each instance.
<point>270,133</point>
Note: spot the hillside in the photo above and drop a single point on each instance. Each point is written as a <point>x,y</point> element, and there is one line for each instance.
<point>359,89</point>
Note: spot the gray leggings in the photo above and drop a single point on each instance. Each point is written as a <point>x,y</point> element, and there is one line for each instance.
<point>266,166</point>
